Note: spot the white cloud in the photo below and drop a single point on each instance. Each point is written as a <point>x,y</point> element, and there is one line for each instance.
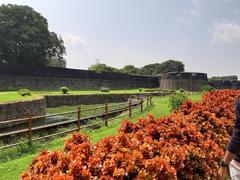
<point>196,8</point>
<point>73,41</point>
<point>196,3</point>
<point>226,33</point>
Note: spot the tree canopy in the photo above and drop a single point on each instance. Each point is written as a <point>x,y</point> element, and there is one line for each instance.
<point>150,69</point>
<point>130,69</point>
<point>99,67</point>
<point>224,78</point>
<point>164,67</point>
<point>25,38</point>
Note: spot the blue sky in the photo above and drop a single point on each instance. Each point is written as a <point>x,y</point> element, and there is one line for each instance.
<point>204,34</point>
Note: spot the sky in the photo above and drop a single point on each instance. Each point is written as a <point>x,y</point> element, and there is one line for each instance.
<point>203,34</point>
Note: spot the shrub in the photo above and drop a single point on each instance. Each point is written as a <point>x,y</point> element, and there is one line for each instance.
<point>64,89</point>
<point>182,90</point>
<point>24,92</point>
<point>105,89</point>
<point>140,90</point>
<point>207,88</point>
<point>188,144</point>
<point>175,101</point>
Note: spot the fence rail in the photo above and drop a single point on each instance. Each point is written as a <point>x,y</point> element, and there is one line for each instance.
<point>129,107</point>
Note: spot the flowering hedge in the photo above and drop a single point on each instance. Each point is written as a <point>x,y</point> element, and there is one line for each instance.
<point>188,144</point>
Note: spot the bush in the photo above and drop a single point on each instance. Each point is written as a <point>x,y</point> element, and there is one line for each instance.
<point>175,101</point>
<point>105,89</point>
<point>207,88</point>
<point>182,90</point>
<point>188,144</point>
<point>140,90</point>
<point>64,89</point>
<point>24,92</point>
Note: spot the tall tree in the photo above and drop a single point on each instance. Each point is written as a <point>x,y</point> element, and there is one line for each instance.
<point>165,67</point>
<point>130,69</point>
<point>25,38</point>
<point>171,66</point>
<point>99,67</point>
<point>149,69</point>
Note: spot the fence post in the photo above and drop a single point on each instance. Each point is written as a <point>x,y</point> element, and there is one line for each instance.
<point>141,105</point>
<point>29,129</point>
<point>151,100</point>
<point>130,108</point>
<point>147,101</point>
<point>106,114</point>
<point>78,117</point>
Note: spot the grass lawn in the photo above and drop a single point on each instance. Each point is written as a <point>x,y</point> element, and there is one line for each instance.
<point>85,92</point>
<point>12,169</point>
<point>13,96</point>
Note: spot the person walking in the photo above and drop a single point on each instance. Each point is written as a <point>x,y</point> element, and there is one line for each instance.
<point>231,158</point>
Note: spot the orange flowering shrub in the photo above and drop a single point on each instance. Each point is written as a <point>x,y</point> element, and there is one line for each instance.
<point>188,144</point>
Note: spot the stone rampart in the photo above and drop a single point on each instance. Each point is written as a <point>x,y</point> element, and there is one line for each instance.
<point>15,77</point>
<point>184,80</point>
<point>19,110</point>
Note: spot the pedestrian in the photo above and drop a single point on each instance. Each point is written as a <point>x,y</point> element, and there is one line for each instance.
<point>231,159</point>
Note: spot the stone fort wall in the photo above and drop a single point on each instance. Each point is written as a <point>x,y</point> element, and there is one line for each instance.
<point>18,110</point>
<point>14,77</point>
<point>186,80</point>
<point>225,84</point>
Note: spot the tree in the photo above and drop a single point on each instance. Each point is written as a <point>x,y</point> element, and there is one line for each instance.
<point>55,54</point>
<point>25,38</point>
<point>130,69</point>
<point>149,69</point>
<point>223,78</point>
<point>171,66</point>
<point>99,67</point>
<point>165,67</point>
<point>57,63</point>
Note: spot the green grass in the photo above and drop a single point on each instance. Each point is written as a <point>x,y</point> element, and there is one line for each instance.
<point>62,109</point>
<point>13,96</point>
<point>12,169</point>
<point>85,92</point>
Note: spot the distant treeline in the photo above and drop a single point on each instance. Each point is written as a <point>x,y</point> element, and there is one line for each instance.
<point>223,78</point>
<point>150,69</point>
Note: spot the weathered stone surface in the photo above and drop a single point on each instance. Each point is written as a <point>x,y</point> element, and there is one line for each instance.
<point>225,84</point>
<point>68,100</point>
<point>185,80</point>
<point>49,78</point>
<point>17,110</point>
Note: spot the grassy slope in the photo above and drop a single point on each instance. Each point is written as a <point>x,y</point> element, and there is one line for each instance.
<point>13,169</point>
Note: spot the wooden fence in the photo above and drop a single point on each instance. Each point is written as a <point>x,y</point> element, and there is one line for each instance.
<point>129,106</point>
